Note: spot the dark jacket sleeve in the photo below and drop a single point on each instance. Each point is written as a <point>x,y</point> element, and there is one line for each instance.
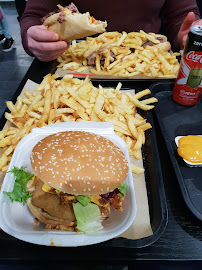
<point>173,14</point>
<point>35,10</point>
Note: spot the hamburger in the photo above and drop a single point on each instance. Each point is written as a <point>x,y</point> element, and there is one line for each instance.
<point>79,175</point>
<point>70,24</point>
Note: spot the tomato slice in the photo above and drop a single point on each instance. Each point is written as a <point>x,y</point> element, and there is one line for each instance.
<point>114,201</point>
<point>94,21</point>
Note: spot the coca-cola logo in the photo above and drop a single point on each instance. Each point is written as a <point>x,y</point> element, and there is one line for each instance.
<point>193,56</point>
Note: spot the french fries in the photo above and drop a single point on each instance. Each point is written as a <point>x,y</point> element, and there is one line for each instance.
<point>120,54</point>
<point>71,99</point>
<point>135,169</point>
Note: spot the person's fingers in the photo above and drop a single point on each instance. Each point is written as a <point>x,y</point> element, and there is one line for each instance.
<point>198,22</point>
<point>185,33</point>
<point>46,46</point>
<point>43,27</point>
<point>187,22</point>
<point>44,56</point>
<point>55,55</point>
<point>184,40</point>
<point>46,50</point>
<point>185,28</point>
<point>49,47</point>
<point>41,34</point>
<point>47,57</point>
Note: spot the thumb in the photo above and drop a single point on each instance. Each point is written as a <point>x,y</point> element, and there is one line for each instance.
<point>187,22</point>
<point>184,40</point>
<point>42,27</point>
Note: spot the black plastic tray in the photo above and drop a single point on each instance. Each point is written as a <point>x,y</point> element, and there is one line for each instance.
<point>178,120</point>
<point>155,192</point>
<point>153,176</point>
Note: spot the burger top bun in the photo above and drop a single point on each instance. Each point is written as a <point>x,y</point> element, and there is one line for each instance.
<point>78,162</point>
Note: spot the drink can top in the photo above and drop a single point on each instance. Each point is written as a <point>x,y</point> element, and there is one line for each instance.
<point>196,29</point>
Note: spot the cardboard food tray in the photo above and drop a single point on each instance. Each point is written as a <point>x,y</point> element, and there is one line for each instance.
<point>61,72</point>
<point>178,120</point>
<point>155,192</point>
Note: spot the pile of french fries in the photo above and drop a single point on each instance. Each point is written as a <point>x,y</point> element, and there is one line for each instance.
<point>71,99</point>
<point>130,57</point>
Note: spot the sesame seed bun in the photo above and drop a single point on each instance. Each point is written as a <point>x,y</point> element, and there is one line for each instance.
<point>78,162</point>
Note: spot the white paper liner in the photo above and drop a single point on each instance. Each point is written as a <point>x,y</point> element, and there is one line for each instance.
<point>141,226</point>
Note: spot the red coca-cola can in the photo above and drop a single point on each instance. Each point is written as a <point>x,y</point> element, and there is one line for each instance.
<point>188,85</point>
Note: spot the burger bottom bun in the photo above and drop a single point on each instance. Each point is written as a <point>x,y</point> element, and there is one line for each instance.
<point>47,219</point>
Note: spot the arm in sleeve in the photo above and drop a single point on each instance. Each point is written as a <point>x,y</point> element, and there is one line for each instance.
<point>173,14</point>
<point>35,10</point>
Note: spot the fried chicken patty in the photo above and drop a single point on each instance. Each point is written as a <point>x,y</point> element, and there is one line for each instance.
<point>59,205</point>
<point>54,204</point>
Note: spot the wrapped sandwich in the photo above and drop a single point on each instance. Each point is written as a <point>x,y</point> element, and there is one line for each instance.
<point>70,24</point>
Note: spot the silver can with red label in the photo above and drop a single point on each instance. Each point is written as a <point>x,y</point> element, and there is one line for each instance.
<point>188,85</point>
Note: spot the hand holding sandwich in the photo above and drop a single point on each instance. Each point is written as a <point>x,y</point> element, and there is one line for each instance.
<point>44,44</point>
<point>49,41</point>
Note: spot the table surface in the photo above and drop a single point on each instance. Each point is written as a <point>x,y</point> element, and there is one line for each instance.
<point>181,239</point>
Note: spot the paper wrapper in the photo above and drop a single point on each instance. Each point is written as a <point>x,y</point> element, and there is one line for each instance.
<point>141,226</point>
<point>61,72</point>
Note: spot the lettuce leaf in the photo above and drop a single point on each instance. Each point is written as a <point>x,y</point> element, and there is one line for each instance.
<point>122,188</point>
<point>87,217</point>
<point>19,192</point>
<point>84,200</point>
